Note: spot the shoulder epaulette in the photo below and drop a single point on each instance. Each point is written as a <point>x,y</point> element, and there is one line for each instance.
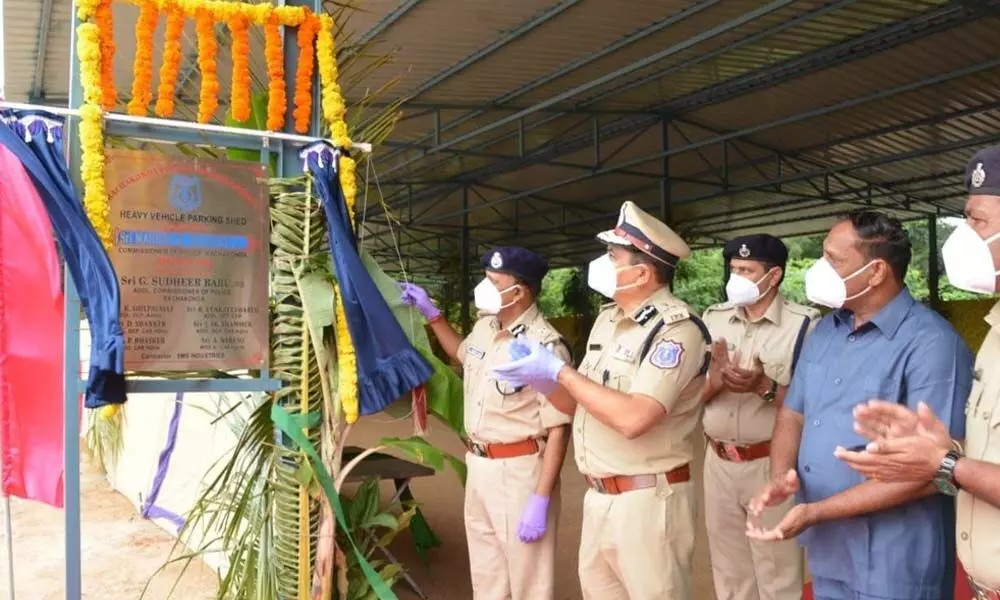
<point>805,311</point>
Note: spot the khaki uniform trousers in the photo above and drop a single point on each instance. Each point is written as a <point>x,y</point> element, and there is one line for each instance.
<point>638,545</point>
<point>745,569</point>
<point>502,566</point>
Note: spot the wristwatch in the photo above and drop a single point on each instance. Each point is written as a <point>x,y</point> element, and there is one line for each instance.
<point>768,396</point>
<point>944,479</point>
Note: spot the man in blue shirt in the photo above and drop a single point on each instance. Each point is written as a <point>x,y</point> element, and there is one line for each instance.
<point>866,539</point>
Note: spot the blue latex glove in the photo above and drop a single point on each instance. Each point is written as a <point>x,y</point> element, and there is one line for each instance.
<point>416,296</point>
<point>533,520</point>
<point>519,351</point>
<point>536,366</point>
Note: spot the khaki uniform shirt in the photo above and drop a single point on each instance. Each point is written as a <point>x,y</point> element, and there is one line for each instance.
<point>978,522</point>
<point>670,373</point>
<point>745,418</point>
<point>491,416</point>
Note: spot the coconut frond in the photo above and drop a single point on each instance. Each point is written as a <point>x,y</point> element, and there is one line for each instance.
<point>104,436</point>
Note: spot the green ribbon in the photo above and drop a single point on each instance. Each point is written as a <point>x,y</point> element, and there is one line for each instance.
<point>291,425</point>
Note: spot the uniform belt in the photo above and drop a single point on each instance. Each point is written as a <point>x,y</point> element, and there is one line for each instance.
<point>982,593</point>
<point>619,484</point>
<point>740,454</point>
<point>511,450</point>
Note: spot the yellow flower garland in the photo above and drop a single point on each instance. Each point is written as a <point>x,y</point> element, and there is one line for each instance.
<point>334,108</point>
<point>347,365</point>
<point>142,76</point>
<point>95,197</point>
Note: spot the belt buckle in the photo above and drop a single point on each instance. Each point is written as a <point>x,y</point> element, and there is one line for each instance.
<point>733,453</point>
<point>477,449</point>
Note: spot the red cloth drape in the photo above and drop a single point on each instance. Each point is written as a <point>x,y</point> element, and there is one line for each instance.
<point>31,342</point>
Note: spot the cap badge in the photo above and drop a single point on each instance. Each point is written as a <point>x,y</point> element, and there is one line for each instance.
<point>978,176</point>
<point>496,261</point>
<point>744,252</point>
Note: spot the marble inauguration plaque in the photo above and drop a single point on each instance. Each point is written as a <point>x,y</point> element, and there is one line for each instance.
<point>191,242</point>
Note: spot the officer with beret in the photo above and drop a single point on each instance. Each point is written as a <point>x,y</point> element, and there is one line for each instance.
<point>637,406</point>
<point>915,445</point>
<point>757,335</point>
<point>516,438</point>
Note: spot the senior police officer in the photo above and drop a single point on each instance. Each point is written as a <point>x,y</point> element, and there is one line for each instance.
<point>637,408</point>
<point>865,539</point>
<point>916,445</point>
<point>758,334</point>
<point>516,438</point>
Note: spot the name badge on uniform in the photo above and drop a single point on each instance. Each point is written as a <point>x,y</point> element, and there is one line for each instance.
<point>624,353</point>
<point>476,352</point>
<point>666,354</point>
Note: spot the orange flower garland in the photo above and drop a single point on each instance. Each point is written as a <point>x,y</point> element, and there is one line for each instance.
<point>241,67</point>
<point>142,76</point>
<point>207,49</point>
<point>304,74</point>
<point>105,25</point>
<point>171,63</point>
<point>277,102</point>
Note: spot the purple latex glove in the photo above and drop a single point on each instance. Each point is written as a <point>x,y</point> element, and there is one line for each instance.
<point>533,519</point>
<point>416,296</point>
<point>537,365</point>
<point>542,386</point>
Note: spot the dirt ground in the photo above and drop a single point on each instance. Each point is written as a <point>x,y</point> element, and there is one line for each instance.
<point>121,551</point>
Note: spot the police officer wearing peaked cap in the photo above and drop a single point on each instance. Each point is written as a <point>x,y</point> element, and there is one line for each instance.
<point>516,438</point>
<point>757,334</point>
<point>637,407</point>
<point>916,445</point>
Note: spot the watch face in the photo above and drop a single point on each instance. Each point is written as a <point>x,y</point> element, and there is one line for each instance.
<point>945,487</point>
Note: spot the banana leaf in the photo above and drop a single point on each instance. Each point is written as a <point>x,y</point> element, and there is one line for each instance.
<point>257,120</point>
<point>445,396</point>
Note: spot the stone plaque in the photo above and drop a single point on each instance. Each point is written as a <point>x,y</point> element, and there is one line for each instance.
<point>191,243</point>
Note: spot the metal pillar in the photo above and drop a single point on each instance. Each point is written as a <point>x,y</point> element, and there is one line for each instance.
<point>463,282</point>
<point>72,387</point>
<point>933,273</point>
<point>665,215</point>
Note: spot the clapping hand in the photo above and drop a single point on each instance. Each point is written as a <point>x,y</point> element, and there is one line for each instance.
<point>738,379</point>
<point>795,521</point>
<point>905,446</point>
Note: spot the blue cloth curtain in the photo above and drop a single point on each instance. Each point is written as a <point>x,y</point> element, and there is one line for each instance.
<point>388,365</point>
<point>36,138</point>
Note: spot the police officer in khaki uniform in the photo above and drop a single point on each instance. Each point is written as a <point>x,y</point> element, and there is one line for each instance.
<point>916,445</point>
<point>516,438</point>
<point>757,335</point>
<point>637,406</point>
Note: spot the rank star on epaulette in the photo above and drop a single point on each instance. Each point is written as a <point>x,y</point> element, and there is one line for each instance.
<point>646,314</point>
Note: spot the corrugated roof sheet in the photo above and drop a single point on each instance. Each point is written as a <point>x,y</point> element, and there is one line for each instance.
<point>780,113</point>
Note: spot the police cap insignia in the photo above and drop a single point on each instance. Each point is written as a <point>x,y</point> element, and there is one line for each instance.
<point>496,261</point>
<point>978,177</point>
<point>744,251</point>
<point>666,354</point>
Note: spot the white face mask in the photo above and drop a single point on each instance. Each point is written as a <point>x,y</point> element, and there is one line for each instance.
<point>743,292</point>
<point>968,260</point>
<point>489,299</point>
<point>825,286</point>
<point>602,276</point>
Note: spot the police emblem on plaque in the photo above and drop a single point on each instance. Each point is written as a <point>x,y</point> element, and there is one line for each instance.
<point>185,193</point>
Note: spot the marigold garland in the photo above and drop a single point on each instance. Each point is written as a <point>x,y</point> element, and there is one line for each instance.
<point>304,74</point>
<point>277,101</point>
<point>334,108</point>
<point>207,48</point>
<point>240,27</point>
<point>95,197</point>
<point>85,9</point>
<point>142,73</point>
<point>171,66</point>
<point>106,27</point>
<point>347,364</point>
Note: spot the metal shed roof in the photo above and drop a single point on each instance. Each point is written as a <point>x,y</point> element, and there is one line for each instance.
<point>530,121</point>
